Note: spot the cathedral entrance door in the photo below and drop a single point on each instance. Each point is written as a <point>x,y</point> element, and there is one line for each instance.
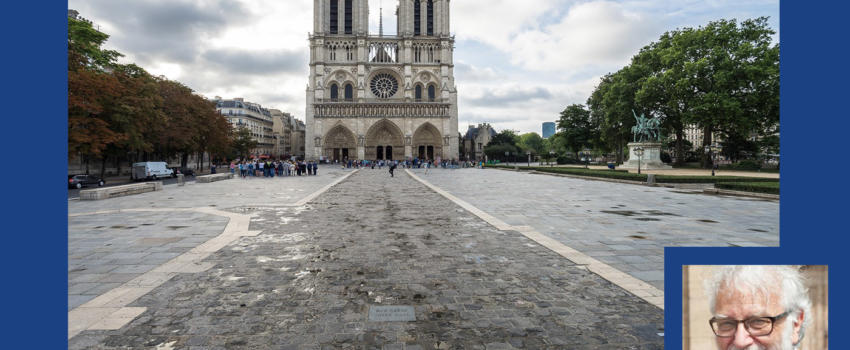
<point>380,152</point>
<point>421,152</point>
<point>389,153</point>
<point>431,152</point>
<point>344,153</point>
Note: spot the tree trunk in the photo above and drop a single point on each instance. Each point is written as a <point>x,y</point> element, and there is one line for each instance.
<point>184,160</point>
<point>102,166</point>
<point>680,147</point>
<point>706,141</point>
<point>87,165</point>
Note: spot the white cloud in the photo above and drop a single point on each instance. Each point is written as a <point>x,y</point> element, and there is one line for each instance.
<point>517,64</point>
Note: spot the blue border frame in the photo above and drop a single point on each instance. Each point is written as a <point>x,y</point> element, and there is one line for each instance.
<point>35,223</point>
<point>813,88</point>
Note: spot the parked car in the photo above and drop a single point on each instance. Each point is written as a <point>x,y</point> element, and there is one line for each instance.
<point>185,172</point>
<point>80,181</point>
<point>151,170</point>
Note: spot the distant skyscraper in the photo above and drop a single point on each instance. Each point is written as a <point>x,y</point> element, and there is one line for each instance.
<point>548,129</point>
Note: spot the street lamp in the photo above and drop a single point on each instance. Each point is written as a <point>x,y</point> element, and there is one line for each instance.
<point>638,152</point>
<point>506,157</point>
<point>528,153</point>
<point>551,154</point>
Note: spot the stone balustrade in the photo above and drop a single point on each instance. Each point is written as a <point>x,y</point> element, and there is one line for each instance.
<point>213,177</point>
<point>118,191</point>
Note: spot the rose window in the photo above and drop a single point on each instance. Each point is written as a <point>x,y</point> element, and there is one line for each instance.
<point>384,85</point>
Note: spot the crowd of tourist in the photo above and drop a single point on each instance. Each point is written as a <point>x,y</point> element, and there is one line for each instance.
<point>272,168</point>
<point>409,163</point>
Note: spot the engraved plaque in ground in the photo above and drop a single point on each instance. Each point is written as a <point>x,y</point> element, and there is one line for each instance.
<point>391,313</point>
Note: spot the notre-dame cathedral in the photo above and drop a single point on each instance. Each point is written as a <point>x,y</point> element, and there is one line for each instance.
<point>381,97</point>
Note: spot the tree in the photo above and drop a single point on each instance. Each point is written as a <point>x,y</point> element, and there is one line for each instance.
<point>84,48</point>
<point>532,142</point>
<point>242,142</point>
<point>506,137</point>
<point>497,151</point>
<point>91,92</point>
<point>576,129</point>
<point>728,76</point>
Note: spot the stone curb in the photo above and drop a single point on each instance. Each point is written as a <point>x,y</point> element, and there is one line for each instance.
<point>725,192</point>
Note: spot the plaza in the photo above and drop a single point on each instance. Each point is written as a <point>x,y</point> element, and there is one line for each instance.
<point>464,258</point>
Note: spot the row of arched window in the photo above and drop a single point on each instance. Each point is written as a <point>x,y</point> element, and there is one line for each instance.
<point>348,92</point>
<point>347,48</point>
<point>334,19</point>
<point>432,92</point>
<point>417,18</point>
<point>425,53</point>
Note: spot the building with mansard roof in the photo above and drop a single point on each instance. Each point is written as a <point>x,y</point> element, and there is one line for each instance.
<point>381,97</point>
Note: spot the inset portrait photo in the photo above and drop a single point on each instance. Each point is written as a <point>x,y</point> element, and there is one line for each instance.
<point>755,307</point>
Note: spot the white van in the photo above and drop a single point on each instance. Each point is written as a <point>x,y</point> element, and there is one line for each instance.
<point>150,170</point>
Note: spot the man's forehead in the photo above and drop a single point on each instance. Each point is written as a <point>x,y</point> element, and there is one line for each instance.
<point>732,302</point>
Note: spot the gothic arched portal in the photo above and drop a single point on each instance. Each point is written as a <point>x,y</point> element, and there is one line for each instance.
<point>427,142</point>
<point>339,144</point>
<point>384,141</point>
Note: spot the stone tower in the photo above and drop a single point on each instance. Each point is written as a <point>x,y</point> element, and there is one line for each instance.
<point>376,96</point>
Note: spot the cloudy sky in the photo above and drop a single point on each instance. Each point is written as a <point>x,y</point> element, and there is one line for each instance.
<point>517,63</point>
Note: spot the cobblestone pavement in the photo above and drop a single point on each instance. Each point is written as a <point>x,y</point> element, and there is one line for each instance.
<point>309,280</point>
<point>626,226</point>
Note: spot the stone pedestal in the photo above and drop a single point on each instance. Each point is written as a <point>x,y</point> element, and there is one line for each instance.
<point>651,159</point>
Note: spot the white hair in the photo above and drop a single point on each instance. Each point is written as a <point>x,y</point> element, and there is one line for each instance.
<point>783,281</point>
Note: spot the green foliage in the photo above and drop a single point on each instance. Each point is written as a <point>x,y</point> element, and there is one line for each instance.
<point>242,142</point>
<point>744,165</point>
<point>533,142</point>
<point>497,151</point>
<point>116,109</point>
<point>760,187</point>
<point>723,77</point>
<point>576,128</point>
<point>84,47</point>
<point>506,137</point>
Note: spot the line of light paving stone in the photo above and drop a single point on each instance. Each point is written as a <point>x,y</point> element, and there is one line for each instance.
<point>635,286</point>
<point>109,311</point>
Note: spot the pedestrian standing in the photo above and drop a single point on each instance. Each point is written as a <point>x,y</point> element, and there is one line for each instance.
<point>392,169</point>
<point>315,167</point>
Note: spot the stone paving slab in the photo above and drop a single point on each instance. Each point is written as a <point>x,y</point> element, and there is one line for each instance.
<point>238,192</point>
<point>308,280</point>
<point>106,250</point>
<point>609,221</point>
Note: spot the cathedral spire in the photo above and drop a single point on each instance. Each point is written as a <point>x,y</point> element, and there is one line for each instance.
<point>381,19</point>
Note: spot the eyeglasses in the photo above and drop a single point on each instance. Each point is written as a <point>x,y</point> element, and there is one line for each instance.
<point>756,326</point>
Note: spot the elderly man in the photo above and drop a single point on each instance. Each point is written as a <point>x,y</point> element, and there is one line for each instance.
<point>758,307</point>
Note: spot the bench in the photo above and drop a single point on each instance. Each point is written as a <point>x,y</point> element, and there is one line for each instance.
<point>213,177</point>
<point>118,191</point>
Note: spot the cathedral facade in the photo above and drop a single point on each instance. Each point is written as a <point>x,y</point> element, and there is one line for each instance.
<point>379,97</point>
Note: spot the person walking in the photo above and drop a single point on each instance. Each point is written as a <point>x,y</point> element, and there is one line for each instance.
<point>315,167</point>
<point>392,169</point>
<point>427,167</point>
